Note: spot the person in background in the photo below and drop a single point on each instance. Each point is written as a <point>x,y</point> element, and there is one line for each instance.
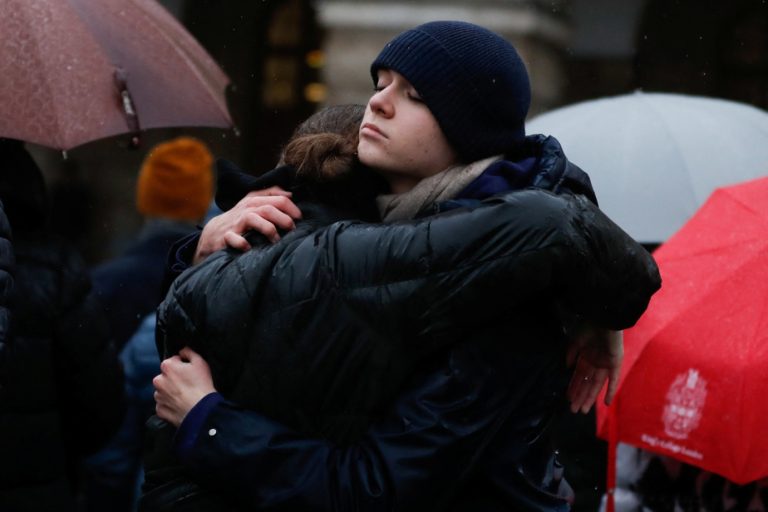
<point>173,193</point>
<point>651,482</point>
<point>61,385</point>
<point>468,430</point>
<point>7,262</point>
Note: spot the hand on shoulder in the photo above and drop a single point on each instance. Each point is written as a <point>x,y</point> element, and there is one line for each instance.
<point>264,211</point>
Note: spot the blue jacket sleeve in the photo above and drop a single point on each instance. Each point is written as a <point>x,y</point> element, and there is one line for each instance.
<point>412,458</point>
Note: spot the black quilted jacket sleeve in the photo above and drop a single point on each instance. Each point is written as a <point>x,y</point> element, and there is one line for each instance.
<point>302,320</point>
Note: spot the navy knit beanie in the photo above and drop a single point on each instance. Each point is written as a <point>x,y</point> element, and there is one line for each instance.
<point>472,80</point>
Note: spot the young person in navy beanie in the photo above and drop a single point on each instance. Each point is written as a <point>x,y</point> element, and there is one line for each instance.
<point>473,81</point>
<point>468,428</point>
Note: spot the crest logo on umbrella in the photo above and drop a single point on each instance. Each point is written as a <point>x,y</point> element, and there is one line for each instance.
<point>685,401</point>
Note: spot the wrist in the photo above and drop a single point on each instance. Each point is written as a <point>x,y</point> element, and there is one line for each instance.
<point>193,422</point>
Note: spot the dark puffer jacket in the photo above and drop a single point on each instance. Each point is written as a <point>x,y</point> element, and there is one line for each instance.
<point>61,395</point>
<point>323,329</point>
<point>319,330</point>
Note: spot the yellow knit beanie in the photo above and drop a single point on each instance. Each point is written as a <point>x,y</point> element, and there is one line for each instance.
<point>176,180</point>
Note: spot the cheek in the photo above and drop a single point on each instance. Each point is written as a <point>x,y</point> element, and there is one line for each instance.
<point>430,143</point>
<point>420,150</point>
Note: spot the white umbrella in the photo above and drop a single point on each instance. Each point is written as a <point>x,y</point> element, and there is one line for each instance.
<point>655,158</point>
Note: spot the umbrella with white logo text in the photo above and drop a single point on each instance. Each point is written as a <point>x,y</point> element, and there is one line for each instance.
<point>694,383</point>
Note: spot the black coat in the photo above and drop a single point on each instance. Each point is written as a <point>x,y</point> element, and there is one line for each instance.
<point>323,330</point>
<point>63,396</point>
<point>61,385</point>
<point>389,281</point>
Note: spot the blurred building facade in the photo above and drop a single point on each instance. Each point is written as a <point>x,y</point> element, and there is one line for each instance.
<point>357,30</point>
<point>288,57</point>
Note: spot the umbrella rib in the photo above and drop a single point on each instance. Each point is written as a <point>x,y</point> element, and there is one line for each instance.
<point>668,131</point>
<point>63,137</point>
<point>742,203</point>
<point>191,64</point>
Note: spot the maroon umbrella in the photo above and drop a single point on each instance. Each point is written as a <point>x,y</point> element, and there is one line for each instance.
<point>72,71</point>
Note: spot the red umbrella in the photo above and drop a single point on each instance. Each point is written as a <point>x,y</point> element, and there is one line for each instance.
<point>72,71</point>
<point>695,376</point>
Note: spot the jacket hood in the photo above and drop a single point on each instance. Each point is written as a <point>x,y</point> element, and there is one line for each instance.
<point>555,172</point>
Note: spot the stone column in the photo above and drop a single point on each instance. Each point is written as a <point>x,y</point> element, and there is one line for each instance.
<point>355,31</point>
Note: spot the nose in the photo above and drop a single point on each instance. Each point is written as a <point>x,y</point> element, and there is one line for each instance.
<point>381,102</point>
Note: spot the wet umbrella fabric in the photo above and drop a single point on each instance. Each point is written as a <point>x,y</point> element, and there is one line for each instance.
<point>72,71</point>
<point>654,158</point>
<point>694,380</point>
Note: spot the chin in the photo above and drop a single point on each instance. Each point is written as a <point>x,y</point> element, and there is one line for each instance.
<point>371,157</point>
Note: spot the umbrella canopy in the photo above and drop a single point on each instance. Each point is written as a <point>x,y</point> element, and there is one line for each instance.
<point>694,380</point>
<point>655,158</point>
<point>72,71</point>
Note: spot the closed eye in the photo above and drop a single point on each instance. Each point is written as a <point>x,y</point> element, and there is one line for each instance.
<point>415,97</point>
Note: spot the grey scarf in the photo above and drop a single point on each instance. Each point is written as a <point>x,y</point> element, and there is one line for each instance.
<point>440,187</point>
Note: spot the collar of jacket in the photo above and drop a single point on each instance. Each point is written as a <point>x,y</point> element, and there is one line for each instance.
<point>539,162</point>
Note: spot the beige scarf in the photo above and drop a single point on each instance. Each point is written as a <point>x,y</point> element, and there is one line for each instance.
<point>440,187</point>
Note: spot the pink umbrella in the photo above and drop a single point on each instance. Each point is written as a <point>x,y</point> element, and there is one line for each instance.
<point>72,71</point>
